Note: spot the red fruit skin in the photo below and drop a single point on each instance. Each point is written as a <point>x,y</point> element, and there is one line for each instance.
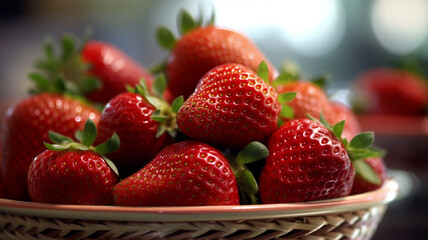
<point>310,99</point>
<point>3,192</point>
<point>186,173</point>
<point>25,129</point>
<point>204,48</point>
<point>114,68</point>
<point>340,112</point>
<point>392,92</point>
<point>230,108</point>
<point>306,162</point>
<point>361,185</point>
<point>71,177</point>
<point>129,116</point>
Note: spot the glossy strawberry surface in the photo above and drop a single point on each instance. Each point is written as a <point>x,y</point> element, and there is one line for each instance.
<point>306,162</point>
<point>310,99</point>
<point>26,127</point>
<point>129,115</point>
<point>113,68</point>
<point>204,48</point>
<point>187,173</point>
<point>71,177</point>
<point>361,185</point>
<point>231,107</point>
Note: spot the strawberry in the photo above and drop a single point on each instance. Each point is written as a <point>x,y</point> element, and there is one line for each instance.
<point>340,112</point>
<point>231,107</point>
<point>361,185</point>
<point>202,48</point>
<point>390,91</point>
<point>26,127</point>
<point>308,161</point>
<point>186,173</point>
<point>74,173</point>
<point>97,69</point>
<point>309,99</point>
<point>143,122</point>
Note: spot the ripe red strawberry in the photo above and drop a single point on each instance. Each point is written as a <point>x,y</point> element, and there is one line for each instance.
<point>390,91</point>
<point>96,69</point>
<point>231,107</point>
<point>310,161</point>
<point>310,99</point>
<point>361,185</point>
<point>26,127</point>
<point>73,173</point>
<point>202,48</point>
<point>187,173</point>
<point>144,124</point>
<point>340,112</point>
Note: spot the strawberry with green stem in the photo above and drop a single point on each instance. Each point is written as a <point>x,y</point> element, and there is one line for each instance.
<point>74,173</point>
<point>231,107</point>
<point>200,49</point>
<point>144,122</point>
<point>310,161</point>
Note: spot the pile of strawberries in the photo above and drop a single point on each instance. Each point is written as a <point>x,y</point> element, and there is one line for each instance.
<point>215,124</point>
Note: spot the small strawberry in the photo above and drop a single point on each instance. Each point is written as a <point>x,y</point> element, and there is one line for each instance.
<point>308,161</point>
<point>361,185</point>
<point>200,49</point>
<point>340,112</point>
<point>231,107</point>
<point>74,173</point>
<point>26,127</point>
<point>186,173</point>
<point>390,91</point>
<point>143,122</point>
<point>96,69</point>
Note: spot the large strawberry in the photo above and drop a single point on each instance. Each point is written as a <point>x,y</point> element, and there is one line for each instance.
<point>26,127</point>
<point>74,173</point>
<point>308,162</point>
<point>143,122</point>
<point>361,185</point>
<point>96,69</point>
<point>231,107</point>
<point>202,48</point>
<point>187,173</point>
<point>390,91</point>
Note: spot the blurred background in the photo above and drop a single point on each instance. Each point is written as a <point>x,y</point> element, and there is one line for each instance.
<point>341,38</point>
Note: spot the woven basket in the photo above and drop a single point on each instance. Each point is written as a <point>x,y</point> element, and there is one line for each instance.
<point>353,217</point>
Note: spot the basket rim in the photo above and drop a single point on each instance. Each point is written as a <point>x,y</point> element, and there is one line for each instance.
<point>386,194</point>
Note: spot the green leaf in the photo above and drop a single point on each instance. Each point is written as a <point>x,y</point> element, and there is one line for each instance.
<point>42,83</point>
<point>212,19</point>
<point>253,152</point>
<point>68,46</point>
<point>161,130</point>
<point>284,78</point>
<point>109,146</point>
<point>358,154</point>
<point>158,116</point>
<point>286,97</point>
<point>59,138</point>
<point>177,103</point>
<point>287,112</point>
<point>338,129</point>
<point>60,84</point>
<point>186,22</point>
<point>165,38</point>
<point>89,133</point>
<point>89,84</point>
<point>362,140</point>
<point>157,68</point>
<point>159,85</point>
<point>48,46</point>
<point>248,183</point>
<point>292,68</point>
<point>325,122</point>
<point>78,135</point>
<point>321,81</point>
<point>263,71</point>
<point>130,89</point>
<point>366,171</point>
<point>111,164</point>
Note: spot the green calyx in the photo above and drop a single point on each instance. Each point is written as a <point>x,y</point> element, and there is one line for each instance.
<point>64,72</point>
<point>86,140</point>
<point>247,184</point>
<point>359,148</point>
<point>164,113</point>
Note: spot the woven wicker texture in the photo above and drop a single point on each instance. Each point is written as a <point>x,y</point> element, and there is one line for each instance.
<point>359,224</point>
